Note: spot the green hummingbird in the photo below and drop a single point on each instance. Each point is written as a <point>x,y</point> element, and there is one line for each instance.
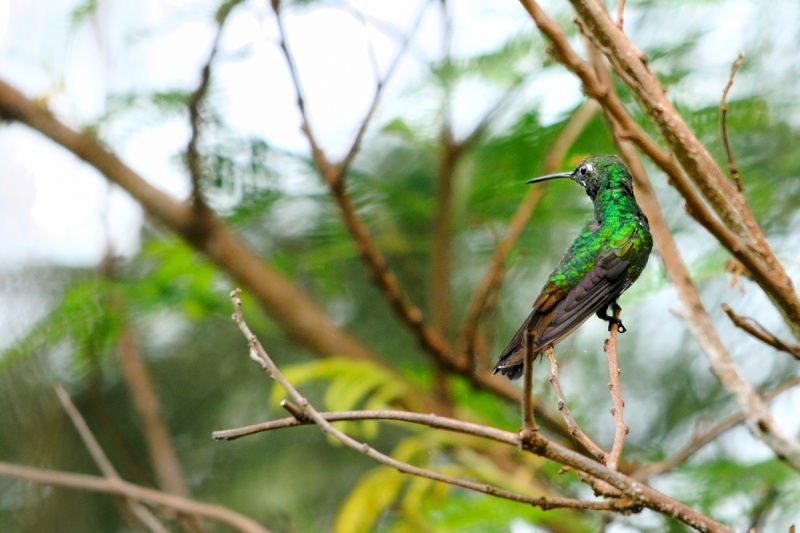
<point>605,259</point>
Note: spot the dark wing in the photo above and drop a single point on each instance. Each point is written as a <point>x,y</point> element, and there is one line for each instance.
<point>596,291</point>
<point>556,315</point>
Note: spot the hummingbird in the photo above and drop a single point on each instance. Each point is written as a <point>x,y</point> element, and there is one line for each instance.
<point>606,258</point>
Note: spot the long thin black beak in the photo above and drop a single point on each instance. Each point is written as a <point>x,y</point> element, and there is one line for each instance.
<point>560,175</point>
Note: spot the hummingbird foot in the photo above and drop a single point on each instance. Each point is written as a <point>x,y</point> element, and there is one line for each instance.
<point>603,315</point>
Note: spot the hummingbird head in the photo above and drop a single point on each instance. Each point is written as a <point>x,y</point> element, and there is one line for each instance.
<point>591,172</point>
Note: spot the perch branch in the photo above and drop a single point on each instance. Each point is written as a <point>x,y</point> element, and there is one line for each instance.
<point>610,347</point>
<point>528,420</point>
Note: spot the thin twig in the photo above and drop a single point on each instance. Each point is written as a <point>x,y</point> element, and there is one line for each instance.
<point>259,355</point>
<point>195,113</point>
<point>423,419</point>
<point>723,123</point>
<point>380,85</point>
<point>754,328</point>
<point>129,490</point>
<point>573,426</point>
<point>142,513</point>
<point>610,347</point>
<point>621,14</point>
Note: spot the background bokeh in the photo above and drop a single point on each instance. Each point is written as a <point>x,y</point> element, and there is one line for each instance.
<point>83,270</point>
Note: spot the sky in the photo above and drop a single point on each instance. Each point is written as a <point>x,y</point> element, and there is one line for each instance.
<point>161,45</point>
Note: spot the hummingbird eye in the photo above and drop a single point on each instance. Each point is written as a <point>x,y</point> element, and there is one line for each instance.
<point>585,169</point>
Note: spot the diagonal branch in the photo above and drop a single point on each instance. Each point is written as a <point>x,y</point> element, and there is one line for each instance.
<point>754,328</point>
<point>430,339</point>
<point>141,512</point>
<point>300,316</point>
<point>195,113</point>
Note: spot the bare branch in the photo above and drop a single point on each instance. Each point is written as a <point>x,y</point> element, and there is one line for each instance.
<point>610,347</point>
<point>754,328</point>
<point>621,14</point>
<point>429,420</point>
<point>723,124</point>
<point>138,510</point>
<point>195,119</point>
<point>431,339</point>
<point>344,164</point>
<point>573,426</point>
<point>129,490</point>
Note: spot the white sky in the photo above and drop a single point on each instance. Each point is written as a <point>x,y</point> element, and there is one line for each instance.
<point>160,45</point>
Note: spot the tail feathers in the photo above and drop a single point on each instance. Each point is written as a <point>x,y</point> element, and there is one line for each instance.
<point>513,356</point>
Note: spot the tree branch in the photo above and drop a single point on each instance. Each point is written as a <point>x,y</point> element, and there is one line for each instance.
<point>754,328</point>
<point>194,105</point>
<point>574,429</point>
<point>610,347</point>
<point>142,513</point>
<point>129,490</point>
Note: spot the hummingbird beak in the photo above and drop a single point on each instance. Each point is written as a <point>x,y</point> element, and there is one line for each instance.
<point>560,175</point>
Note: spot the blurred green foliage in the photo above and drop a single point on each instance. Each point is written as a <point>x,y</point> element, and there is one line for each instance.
<point>294,480</point>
